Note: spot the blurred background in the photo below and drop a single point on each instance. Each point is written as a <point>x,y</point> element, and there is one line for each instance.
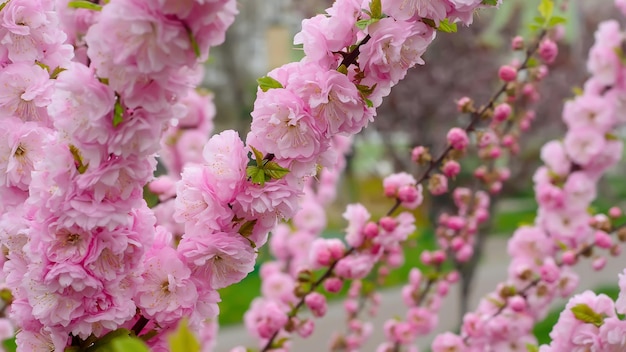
<point>420,110</point>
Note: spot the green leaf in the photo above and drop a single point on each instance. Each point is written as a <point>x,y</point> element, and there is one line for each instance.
<point>3,5</point>
<point>546,8</point>
<point>490,2</point>
<point>532,348</point>
<point>118,115</point>
<point>266,83</point>
<point>183,340</point>
<point>128,344</point>
<point>366,90</point>
<point>258,156</point>
<point>362,24</point>
<point>256,174</point>
<point>246,229</point>
<point>103,343</point>
<point>42,65</point>
<point>447,26</point>
<point>369,103</point>
<point>342,69</point>
<point>429,22</point>
<point>56,72</point>
<point>556,20</point>
<point>9,345</point>
<point>376,9</point>
<point>78,159</point>
<point>84,5</point>
<point>103,80</point>
<point>275,171</point>
<point>194,42</point>
<point>585,314</point>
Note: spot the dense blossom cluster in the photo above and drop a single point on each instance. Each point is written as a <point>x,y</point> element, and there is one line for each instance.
<point>86,97</point>
<point>543,253</point>
<point>92,91</point>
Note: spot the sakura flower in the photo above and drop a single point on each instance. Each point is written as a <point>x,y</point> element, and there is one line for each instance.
<point>167,290</point>
<point>218,259</point>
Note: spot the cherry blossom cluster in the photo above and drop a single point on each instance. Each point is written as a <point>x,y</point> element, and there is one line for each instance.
<point>457,233</point>
<point>81,129</point>
<point>563,231</point>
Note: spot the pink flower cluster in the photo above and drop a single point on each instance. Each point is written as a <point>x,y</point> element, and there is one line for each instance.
<point>590,322</point>
<point>78,142</point>
<point>564,187</point>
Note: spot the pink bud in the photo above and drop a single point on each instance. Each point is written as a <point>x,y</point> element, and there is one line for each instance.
<point>465,253</point>
<point>495,152</point>
<point>426,257</point>
<point>453,277</point>
<point>569,258</point>
<point>517,43</point>
<point>458,138</point>
<point>455,223</point>
<point>418,153</point>
<point>524,125</point>
<point>415,277</point>
<point>480,172</point>
<point>508,140</point>
<point>495,187</point>
<point>443,288</point>
<point>507,73</point>
<point>457,243</point>
<point>502,112</point>
<point>504,174</point>
<point>333,284</point>
<point>438,184</point>
<point>463,104</point>
<point>388,223</point>
<point>351,306</point>
<point>603,239</point>
<point>408,194</point>
<point>549,271</point>
<point>517,303</point>
<point>451,168</point>
<point>306,328</point>
<point>390,191</point>
<point>598,263</point>
<point>548,50</point>
<point>438,257</point>
<point>481,215</point>
<point>370,230</point>
<point>615,212</point>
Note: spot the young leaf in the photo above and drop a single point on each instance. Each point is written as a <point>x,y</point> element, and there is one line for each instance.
<point>275,171</point>
<point>127,344</point>
<point>9,345</point>
<point>532,348</point>
<point>183,339</point>
<point>194,43</point>
<point>546,8</point>
<point>376,9</point>
<point>585,314</point>
<point>84,5</point>
<point>447,26</point>
<point>490,2</point>
<point>258,156</point>
<point>118,114</point>
<point>259,177</point>
<point>556,20</point>
<point>246,229</point>
<point>4,4</point>
<point>266,83</point>
<point>56,72</point>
